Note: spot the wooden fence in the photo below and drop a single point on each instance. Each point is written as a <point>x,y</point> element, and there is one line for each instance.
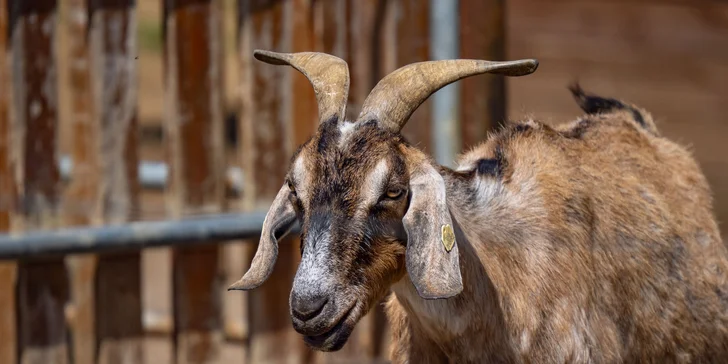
<point>669,56</point>
<point>89,308</point>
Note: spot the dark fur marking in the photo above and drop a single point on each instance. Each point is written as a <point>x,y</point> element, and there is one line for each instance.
<point>298,206</point>
<point>576,210</point>
<point>638,117</point>
<point>328,133</point>
<point>580,129</point>
<point>372,122</point>
<point>359,143</point>
<point>501,161</point>
<point>487,167</point>
<point>318,224</point>
<point>399,167</point>
<point>592,104</point>
<point>472,195</point>
<point>325,139</point>
<point>521,128</point>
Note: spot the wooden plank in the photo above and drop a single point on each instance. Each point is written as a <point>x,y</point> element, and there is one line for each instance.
<point>413,45</point>
<point>364,66</point>
<point>304,100</point>
<point>106,310</point>
<point>594,49</point>
<point>332,27</point>
<point>617,31</point>
<point>79,198</point>
<point>236,259</point>
<point>266,146</point>
<point>331,32</point>
<point>386,39</point>
<point>688,3</point>
<point>8,352</point>
<point>681,2</point>
<point>483,98</point>
<point>195,147</point>
<point>118,281</point>
<point>43,290</point>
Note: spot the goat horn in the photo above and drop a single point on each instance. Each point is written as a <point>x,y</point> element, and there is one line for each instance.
<point>397,95</point>
<point>329,76</point>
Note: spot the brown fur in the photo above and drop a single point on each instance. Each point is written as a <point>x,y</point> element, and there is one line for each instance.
<point>591,242</point>
<point>600,246</point>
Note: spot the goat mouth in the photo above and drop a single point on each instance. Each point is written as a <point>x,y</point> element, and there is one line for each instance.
<point>334,338</point>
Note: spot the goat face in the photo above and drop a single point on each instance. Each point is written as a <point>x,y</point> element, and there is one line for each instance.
<point>350,199</point>
<point>371,207</point>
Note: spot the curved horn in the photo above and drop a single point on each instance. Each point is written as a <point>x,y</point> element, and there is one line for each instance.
<point>328,74</point>
<point>397,95</point>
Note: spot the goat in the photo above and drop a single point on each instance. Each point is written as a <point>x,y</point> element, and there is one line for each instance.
<point>592,241</point>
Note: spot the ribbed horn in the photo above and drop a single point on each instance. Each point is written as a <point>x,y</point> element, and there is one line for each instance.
<point>329,76</point>
<point>397,95</point>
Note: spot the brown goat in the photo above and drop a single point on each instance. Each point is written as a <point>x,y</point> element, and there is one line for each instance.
<point>591,242</point>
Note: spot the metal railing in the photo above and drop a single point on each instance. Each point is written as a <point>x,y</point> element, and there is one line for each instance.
<point>208,229</point>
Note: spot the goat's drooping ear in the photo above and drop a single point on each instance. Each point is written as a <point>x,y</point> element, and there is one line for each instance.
<point>397,95</point>
<point>432,253</point>
<point>329,76</point>
<point>280,219</point>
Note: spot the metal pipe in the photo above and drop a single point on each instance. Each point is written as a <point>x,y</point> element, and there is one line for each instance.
<point>445,44</point>
<point>154,175</point>
<point>133,236</point>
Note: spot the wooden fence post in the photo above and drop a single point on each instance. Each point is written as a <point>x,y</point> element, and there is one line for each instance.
<point>413,45</point>
<point>304,101</point>
<point>79,199</point>
<point>266,136</point>
<point>483,98</point>
<point>43,288</point>
<point>104,185</point>
<point>195,149</point>
<point>7,203</point>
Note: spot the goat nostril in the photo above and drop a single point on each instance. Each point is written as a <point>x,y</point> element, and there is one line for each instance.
<point>307,308</point>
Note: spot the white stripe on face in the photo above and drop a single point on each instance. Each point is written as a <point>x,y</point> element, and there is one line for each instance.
<point>373,185</point>
<point>345,129</point>
<point>301,177</point>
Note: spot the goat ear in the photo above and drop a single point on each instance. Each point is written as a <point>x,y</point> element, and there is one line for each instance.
<point>432,254</point>
<point>278,222</point>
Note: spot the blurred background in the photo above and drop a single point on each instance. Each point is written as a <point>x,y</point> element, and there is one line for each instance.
<point>120,110</point>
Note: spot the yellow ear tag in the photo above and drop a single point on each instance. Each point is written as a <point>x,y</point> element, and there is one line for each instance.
<point>448,237</point>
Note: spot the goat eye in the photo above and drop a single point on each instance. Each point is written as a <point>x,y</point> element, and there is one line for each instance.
<point>394,193</point>
<point>290,187</point>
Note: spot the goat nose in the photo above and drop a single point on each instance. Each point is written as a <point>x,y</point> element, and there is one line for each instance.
<point>306,308</point>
